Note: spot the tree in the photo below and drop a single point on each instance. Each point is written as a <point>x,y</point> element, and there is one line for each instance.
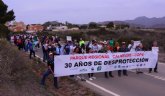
<point>110,25</point>
<point>5,16</point>
<point>70,25</point>
<point>122,26</point>
<point>93,25</point>
<point>84,26</point>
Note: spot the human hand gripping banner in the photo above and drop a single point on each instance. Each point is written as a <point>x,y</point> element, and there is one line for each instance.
<point>101,62</point>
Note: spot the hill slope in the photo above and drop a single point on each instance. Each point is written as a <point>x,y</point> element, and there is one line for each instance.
<point>148,22</point>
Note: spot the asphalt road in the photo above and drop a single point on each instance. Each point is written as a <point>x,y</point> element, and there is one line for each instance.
<point>146,84</point>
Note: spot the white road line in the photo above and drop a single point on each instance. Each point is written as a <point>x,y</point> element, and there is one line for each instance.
<point>39,57</point>
<point>161,63</point>
<point>157,77</point>
<point>103,89</point>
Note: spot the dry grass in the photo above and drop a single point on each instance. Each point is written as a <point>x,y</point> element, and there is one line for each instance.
<point>16,78</point>
<point>20,76</point>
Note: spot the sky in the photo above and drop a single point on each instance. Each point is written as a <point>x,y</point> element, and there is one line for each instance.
<point>84,11</point>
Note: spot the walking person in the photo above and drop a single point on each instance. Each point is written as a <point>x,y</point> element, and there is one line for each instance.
<point>45,51</point>
<point>31,48</point>
<point>49,71</point>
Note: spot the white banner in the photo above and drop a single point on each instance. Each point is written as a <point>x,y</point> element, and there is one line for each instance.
<point>68,38</point>
<point>155,49</point>
<point>136,43</point>
<point>101,62</point>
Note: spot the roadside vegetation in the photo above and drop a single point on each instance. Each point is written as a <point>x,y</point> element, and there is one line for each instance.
<point>20,76</point>
<point>146,36</point>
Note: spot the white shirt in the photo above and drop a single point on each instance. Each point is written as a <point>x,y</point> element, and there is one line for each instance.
<point>132,48</point>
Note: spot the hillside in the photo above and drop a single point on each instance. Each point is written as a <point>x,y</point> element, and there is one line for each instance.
<point>148,22</point>
<point>143,22</point>
<point>16,76</point>
<point>20,76</point>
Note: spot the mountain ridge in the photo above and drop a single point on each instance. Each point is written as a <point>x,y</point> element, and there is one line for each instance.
<point>153,22</point>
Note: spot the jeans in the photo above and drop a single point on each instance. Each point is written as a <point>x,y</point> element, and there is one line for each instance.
<point>90,75</point>
<point>32,52</point>
<point>124,72</point>
<point>26,48</point>
<point>45,56</point>
<point>46,74</point>
<point>110,74</point>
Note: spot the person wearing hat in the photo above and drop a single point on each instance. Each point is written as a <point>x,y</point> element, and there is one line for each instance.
<point>50,70</point>
<point>123,49</point>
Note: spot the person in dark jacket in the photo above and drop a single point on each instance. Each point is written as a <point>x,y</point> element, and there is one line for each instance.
<point>50,71</point>
<point>123,49</point>
<point>67,48</point>
<point>104,50</point>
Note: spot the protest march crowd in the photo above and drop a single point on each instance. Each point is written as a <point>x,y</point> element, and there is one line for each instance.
<point>53,46</point>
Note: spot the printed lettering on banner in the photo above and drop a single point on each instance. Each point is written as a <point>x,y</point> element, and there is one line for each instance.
<point>101,62</point>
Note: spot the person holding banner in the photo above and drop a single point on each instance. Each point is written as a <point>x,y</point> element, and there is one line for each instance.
<point>139,48</point>
<point>78,50</point>
<point>91,75</point>
<point>50,71</point>
<point>123,49</point>
<point>154,45</point>
<point>104,50</point>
